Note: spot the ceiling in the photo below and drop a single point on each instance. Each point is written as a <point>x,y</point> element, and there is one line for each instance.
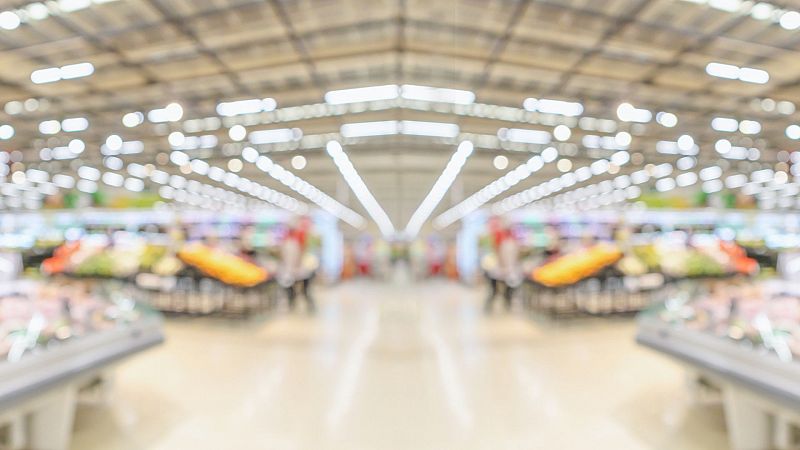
<point>149,53</point>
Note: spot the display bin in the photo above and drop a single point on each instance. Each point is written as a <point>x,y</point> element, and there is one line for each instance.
<point>749,360</point>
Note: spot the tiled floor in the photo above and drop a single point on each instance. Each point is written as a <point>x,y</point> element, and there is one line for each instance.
<point>383,366</point>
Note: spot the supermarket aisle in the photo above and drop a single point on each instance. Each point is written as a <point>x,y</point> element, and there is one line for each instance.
<point>392,367</point>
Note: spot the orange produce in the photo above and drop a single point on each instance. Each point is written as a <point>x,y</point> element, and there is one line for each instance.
<point>225,267</point>
<point>573,267</point>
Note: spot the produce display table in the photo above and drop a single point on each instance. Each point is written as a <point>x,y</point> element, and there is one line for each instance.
<point>760,392</point>
<point>38,392</point>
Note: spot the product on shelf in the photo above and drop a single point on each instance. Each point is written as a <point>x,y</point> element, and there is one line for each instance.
<point>228,268</point>
<point>61,259</point>
<point>573,267</point>
<point>34,315</point>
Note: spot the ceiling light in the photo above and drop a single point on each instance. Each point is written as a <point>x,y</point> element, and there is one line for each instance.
<point>790,20</point>
<point>37,11</point>
<point>235,165</point>
<point>6,132</point>
<point>793,132</point>
<point>762,11</point>
<point>749,127</point>
<point>731,72</point>
<point>564,165</point>
<point>685,143</point>
<point>523,136</point>
<point>712,186</point>
<point>176,139</point>
<point>251,106</point>
<point>665,184</point>
<point>275,136</point>
<point>49,127</point>
<point>432,129</point>
<point>786,107</point>
<point>170,113</point>
<point>562,132</point>
<point>250,154</point>
<point>298,162</point>
<point>113,163</point>
<point>628,113</point>
<point>686,179</point>
<point>87,186</point>
<point>88,173</point>
<point>76,146</point>
<point>432,94</point>
<point>113,179</point>
<point>623,139</point>
<point>134,184</point>
<point>68,72</point>
<point>132,119</point>
<point>63,181</point>
<point>724,124</point>
<point>9,20</point>
<point>500,162</point>
<point>364,94</point>
<point>114,143</point>
<point>364,129</point>
<point>722,146</point>
<point>74,124</point>
<point>13,108</point>
<point>549,106</point>
<point>686,163</point>
<point>359,188</point>
<point>710,173</point>
<point>667,119</point>
<point>237,133</point>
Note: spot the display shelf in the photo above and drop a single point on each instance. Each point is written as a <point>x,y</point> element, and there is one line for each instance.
<point>39,371</point>
<point>760,391</point>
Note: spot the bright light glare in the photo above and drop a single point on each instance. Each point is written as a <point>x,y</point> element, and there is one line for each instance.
<point>353,179</point>
<point>364,94</point>
<point>439,189</point>
<point>433,94</point>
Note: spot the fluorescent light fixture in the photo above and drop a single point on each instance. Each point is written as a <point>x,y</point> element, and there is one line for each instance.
<point>725,124</point>
<point>628,113</point>
<point>431,129</point>
<point>133,119</point>
<point>685,143</point>
<point>790,20</point>
<point>495,188</point>
<point>736,181</point>
<point>124,148</point>
<point>686,163</point>
<point>73,5</point>
<point>134,184</point>
<point>550,106</point>
<point>712,186</point>
<point>666,119</point>
<point>524,136</point>
<point>673,148</point>
<point>433,94</point>
<point>562,132</point>
<point>275,136</point>
<point>113,179</point>
<point>63,181</point>
<point>9,20</point>
<point>439,189</point>
<point>74,124</point>
<point>749,127</point>
<point>49,127</point>
<point>793,132</point>
<point>6,132</point>
<point>731,72</point>
<point>726,5</point>
<point>250,106</point>
<point>353,179</point>
<point>665,184</point>
<point>364,94</point>
<point>68,72</point>
<point>710,173</point>
<point>170,113</point>
<point>365,129</point>
<point>88,173</point>
<point>686,179</point>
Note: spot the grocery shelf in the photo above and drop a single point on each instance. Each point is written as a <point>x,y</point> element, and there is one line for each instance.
<point>761,392</point>
<point>34,373</point>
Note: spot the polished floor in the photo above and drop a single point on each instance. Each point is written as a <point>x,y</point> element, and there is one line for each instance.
<point>399,366</point>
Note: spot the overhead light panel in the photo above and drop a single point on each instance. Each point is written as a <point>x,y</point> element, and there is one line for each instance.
<point>524,136</point>
<point>74,124</point>
<point>628,113</point>
<point>275,136</point>
<point>250,106</point>
<point>363,94</point>
<point>439,189</point>
<point>439,95</point>
<point>353,179</point>
<point>366,129</point>
<point>430,129</point>
<point>170,113</point>
<point>731,72</point>
<point>68,72</point>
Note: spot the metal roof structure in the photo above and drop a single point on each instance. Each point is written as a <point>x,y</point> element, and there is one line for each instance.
<point>682,62</point>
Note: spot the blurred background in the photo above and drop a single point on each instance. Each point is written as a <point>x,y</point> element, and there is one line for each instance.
<point>459,224</point>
